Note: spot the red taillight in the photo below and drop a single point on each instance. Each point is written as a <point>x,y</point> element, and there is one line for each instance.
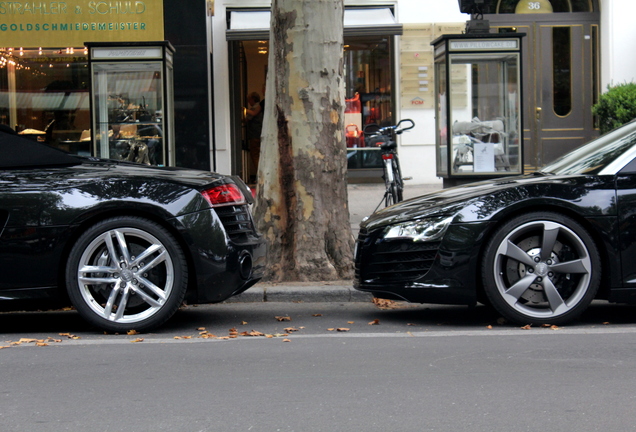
<point>227,194</point>
<point>387,156</point>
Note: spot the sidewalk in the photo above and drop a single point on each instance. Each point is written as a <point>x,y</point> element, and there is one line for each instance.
<point>363,200</point>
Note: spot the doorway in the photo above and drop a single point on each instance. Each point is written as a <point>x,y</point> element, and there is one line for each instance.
<point>560,81</point>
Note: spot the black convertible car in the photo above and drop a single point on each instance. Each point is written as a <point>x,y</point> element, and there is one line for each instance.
<point>125,243</point>
<point>539,248</point>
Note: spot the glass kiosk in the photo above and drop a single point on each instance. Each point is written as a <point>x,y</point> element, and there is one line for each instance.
<point>132,101</point>
<point>478,106</point>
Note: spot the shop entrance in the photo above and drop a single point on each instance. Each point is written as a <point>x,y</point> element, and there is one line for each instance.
<point>368,95</point>
<point>369,53</point>
<point>560,78</point>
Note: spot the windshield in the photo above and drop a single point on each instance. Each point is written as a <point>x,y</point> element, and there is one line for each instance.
<point>591,158</point>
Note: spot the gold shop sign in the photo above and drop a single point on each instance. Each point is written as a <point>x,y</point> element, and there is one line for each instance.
<point>71,23</point>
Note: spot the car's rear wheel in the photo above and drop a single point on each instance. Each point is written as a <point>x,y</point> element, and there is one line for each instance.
<point>541,268</point>
<point>126,273</point>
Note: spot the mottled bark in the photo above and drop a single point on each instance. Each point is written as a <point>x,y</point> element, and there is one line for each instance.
<point>302,195</point>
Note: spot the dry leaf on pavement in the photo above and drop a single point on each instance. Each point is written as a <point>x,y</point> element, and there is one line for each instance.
<point>283,318</point>
<point>375,322</point>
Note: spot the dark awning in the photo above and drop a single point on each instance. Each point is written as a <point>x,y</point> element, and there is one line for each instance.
<point>254,25</point>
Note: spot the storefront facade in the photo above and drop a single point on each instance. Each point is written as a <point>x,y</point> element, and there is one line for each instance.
<point>133,110</point>
<point>574,50</point>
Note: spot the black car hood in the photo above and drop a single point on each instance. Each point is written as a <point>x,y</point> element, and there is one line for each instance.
<point>496,194</point>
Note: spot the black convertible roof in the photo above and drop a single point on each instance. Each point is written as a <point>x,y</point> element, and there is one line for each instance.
<point>19,152</point>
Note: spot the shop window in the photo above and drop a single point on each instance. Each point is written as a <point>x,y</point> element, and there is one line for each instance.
<point>369,96</point>
<point>44,96</point>
<point>545,6</point>
<point>129,105</point>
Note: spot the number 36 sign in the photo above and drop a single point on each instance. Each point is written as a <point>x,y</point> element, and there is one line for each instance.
<point>533,6</point>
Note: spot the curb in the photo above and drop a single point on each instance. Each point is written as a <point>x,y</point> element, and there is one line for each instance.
<point>307,292</point>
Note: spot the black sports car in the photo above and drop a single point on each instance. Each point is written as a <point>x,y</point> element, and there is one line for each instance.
<point>539,247</point>
<point>126,243</point>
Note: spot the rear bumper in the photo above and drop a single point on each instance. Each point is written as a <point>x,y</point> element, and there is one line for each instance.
<point>222,267</point>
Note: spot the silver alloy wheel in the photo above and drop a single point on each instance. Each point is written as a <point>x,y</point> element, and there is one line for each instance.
<point>542,269</point>
<point>125,275</point>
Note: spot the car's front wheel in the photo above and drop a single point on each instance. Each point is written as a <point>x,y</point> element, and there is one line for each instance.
<point>541,268</point>
<point>126,273</point>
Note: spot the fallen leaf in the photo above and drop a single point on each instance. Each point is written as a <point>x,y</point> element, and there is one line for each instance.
<point>489,327</point>
<point>283,318</point>
<point>554,327</point>
<point>606,323</point>
<point>291,329</point>
<point>201,329</point>
<point>350,322</point>
<point>331,329</point>
<point>286,340</point>
<point>252,333</point>
<point>244,323</point>
<point>375,322</point>
<point>41,344</point>
<point>342,329</point>
<point>138,340</point>
<point>26,340</point>
<point>386,304</point>
<point>526,327</point>
<point>132,332</point>
<point>410,324</point>
<point>317,315</point>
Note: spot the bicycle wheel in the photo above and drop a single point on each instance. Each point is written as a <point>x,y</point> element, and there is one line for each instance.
<point>391,194</point>
<point>397,176</point>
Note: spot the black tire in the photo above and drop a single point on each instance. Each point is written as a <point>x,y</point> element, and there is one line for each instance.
<point>541,268</point>
<point>399,185</point>
<point>139,290</point>
<point>391,195</point>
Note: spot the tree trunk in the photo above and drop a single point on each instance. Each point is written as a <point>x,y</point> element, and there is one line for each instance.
<point>302,204</point>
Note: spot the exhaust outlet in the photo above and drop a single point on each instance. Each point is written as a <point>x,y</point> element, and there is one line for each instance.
<point>245,265</point>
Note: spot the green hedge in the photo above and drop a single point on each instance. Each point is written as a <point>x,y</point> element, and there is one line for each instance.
<point>616,107</point>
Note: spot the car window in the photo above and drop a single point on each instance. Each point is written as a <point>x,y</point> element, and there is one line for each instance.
<point>593,157</point>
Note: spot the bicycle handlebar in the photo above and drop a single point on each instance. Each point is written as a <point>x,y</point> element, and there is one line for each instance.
<point>387,130</point>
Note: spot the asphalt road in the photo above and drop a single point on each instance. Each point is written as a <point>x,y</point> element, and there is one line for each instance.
<point>320,367</point>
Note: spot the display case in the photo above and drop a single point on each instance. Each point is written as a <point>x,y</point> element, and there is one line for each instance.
<point>132,101</point>
<point>478,106</point>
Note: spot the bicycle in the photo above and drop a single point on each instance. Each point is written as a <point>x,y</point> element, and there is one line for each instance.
<point>385,138</point>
